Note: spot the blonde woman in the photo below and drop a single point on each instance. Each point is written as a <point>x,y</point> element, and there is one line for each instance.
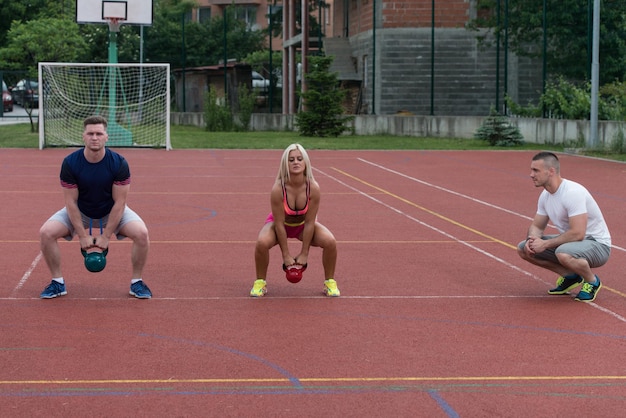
<point>295,201</point>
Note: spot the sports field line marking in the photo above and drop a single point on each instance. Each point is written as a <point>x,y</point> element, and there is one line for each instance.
<point>33,348</point>
<point>610,289</point>
<point>482,202</point>
<point>406,215</point>
<point>313,380</point>
<point>486,253</point>
<point>271,298</point>
<point>27,273</point>
<point>200,193</point>
<point>422,208</point>
<point>443,189</point>
<point>352,297</point>
<point>35,192</point>
<point>249,242</point>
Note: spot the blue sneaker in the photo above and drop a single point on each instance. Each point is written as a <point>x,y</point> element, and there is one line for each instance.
<point>140,290</point>
<point>589,291</point>
<point>53,290</point>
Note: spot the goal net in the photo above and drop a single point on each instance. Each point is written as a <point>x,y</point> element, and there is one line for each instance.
<point>135,99</point>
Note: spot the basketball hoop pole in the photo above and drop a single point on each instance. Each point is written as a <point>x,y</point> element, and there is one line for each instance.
<point>117,134</point>
<point>114,28</point>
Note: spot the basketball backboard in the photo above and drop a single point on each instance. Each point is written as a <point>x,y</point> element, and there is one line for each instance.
<point>132,12</point>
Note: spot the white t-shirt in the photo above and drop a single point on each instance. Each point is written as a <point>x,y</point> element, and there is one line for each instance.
<point>573,199</point>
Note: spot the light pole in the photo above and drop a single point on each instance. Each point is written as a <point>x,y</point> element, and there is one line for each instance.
<point>595,76</point>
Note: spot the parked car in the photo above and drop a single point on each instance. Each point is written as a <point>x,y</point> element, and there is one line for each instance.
<point>7,99</point>
<point>259,82</point>
<point>263,84</point>
<point>26,93</point>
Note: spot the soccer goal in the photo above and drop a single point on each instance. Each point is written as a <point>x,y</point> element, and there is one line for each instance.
<point>135,99</point>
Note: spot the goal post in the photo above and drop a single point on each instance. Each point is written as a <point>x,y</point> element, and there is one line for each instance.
<point>134,98</point>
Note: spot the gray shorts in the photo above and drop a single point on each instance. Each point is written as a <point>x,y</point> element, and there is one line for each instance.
<point>595,253</point>
<point>62,216</point>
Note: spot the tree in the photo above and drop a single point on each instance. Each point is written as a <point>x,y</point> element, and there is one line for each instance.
<point>568,34</point>
<point>46,39</point>
<point>63,13</point>
<point>204,43</point>
<point>17,11</point>
<point>163,40</point>
<point>322,101</point>
<point>240,40</point>
<point>260,59</point>
<point>96,38</point>
<point>315,8</point>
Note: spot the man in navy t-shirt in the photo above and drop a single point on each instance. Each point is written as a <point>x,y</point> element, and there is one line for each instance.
<point>95,182</point>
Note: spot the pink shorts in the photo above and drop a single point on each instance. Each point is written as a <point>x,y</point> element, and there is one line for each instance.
<point>293,230</point>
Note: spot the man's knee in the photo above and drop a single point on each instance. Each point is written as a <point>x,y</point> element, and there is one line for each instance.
<point>521,250</point>
<point>51,231</point>
<point>566,258</point>
<point>142,237</point>
<point>136,231</point>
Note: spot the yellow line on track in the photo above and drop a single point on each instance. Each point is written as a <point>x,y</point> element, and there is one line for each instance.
<point>445,218</point>
<point>312,379</point>
<point>431,212</point>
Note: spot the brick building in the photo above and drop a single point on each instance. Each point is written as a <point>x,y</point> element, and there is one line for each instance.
<point>405,63</point>
<point>401,56</point>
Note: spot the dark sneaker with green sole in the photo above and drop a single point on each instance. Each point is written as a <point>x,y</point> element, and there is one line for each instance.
<point>565,284</point>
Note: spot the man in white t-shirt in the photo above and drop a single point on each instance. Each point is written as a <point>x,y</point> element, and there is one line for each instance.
<point>583,242</point>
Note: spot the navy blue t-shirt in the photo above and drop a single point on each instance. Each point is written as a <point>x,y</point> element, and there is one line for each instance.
<point>94,181</point>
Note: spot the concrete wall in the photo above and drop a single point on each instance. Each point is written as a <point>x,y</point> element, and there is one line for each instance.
<point>539,131</point>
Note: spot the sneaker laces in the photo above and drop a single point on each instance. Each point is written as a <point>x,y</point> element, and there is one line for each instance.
<point>54,285</point>
<point>330,288</point>
<point>587,287</point>
<point>140,288</point>
<point>259,288</point>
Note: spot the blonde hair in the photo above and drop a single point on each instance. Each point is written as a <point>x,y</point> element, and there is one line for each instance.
<point>283,171</point>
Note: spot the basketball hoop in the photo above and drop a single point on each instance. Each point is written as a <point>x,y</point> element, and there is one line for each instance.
<point>114,23</point>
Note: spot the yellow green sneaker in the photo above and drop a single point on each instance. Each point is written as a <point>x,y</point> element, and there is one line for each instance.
<point>330,288</point>
<point>259,289</point>
<point>589,291</point>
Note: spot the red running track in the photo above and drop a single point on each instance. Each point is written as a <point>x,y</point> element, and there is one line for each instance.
<point>438,315</point>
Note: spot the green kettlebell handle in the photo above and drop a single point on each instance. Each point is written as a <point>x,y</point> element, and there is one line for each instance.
<point>85,253</point>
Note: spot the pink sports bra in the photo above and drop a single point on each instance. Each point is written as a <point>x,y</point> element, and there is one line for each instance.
<point>295,212</point>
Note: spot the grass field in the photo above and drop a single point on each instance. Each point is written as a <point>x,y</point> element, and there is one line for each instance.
<point>191,137</point>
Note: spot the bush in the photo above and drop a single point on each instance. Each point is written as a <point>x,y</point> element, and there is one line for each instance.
<point>217,117</point>
<point>613,101</point>
<point>498,131</point>
<point>246,99</point>
<point>565,100</point>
